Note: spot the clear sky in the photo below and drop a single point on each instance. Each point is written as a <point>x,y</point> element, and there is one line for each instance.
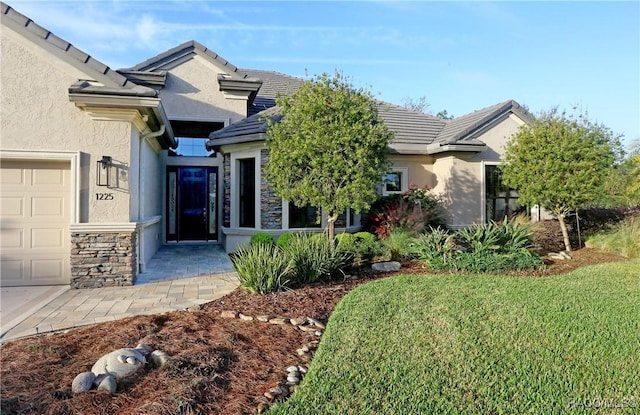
<point>461,56</point>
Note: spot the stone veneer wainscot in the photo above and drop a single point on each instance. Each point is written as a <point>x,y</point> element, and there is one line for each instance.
<point>103,258</point>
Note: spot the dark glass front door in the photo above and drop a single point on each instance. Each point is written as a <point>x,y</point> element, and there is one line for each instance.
<point>191,207</point>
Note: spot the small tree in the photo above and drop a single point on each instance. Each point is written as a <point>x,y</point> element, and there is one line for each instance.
<point>329,150</point>
<point>560,162</point>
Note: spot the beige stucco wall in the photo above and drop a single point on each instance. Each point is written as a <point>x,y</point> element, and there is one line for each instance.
<point>192,92</point>
<point>460,177</point>
<point>419,168</point>
<point>36,115</point>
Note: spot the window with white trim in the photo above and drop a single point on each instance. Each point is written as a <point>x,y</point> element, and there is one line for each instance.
<point>395,181</point>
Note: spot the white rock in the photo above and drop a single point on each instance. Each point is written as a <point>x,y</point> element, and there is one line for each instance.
<point>83,382</point>
<point>106,382</point>
<point>292,369</point>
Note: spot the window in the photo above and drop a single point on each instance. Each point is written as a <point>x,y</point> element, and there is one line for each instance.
<point>501,200</point>
<point>192,147</point>
<point>395,181</point>
<point>192,136</point>
<point>303,217</point>
<point>247,193</point>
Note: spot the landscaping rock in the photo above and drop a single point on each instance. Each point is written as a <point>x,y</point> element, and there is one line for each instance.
<point>390,266</point>
<point>279,321</point>
<point>317,323</point>
<point>159,358</point>
<point>83,382</point>
<point>229,314</point>
<point>298,321</point>
<point>562,255</point>
<point>245,317</point>
<point>263,319</point>
<point>292,369</point>
<point>106,382</point>
<point>293,380</point>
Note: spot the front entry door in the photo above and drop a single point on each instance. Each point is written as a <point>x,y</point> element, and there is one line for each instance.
<point>192,207</point>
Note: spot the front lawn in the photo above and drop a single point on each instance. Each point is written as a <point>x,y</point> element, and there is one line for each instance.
<point>420,344</point>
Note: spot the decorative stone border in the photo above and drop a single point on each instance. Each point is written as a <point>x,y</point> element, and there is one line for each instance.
<point>293,374</point>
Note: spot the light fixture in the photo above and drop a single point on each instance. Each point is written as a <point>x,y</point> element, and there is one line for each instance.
<point>103,171</point>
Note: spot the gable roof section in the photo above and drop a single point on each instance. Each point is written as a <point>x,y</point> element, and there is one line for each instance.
<point>65,50</point>
<point>230,81</point>
<point>465,128</point>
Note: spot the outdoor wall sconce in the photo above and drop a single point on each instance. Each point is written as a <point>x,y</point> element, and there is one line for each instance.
<point>103,171</point>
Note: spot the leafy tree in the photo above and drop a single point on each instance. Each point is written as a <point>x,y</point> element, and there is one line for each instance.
<point>329,150</point>
<point>559,163</point>
<point>445,115</point>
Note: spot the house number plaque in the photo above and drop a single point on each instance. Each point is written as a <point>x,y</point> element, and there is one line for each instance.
<point>104,196</point>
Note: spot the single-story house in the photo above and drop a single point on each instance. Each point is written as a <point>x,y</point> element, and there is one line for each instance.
<point>100,167</point>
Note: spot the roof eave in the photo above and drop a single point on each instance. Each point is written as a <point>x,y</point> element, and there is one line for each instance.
<point>216,143</point>
<point>93,102</point>
<point>458,148</point>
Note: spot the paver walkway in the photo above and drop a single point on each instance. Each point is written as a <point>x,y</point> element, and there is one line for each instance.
<point>177,277</point>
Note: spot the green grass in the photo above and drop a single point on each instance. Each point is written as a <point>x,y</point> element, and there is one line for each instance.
<point>480,345</point>
<point>623,240</point>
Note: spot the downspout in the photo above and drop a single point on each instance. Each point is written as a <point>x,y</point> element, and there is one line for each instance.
<point>145,137</point>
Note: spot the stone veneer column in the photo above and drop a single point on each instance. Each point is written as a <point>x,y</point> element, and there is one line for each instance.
<point>103,258</point>
<point>270,203</point>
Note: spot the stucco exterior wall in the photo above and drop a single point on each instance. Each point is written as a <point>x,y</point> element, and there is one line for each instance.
<point>36,115</point>
<point>192,92</point>
<point>419,168</point>
<point>460,177</point>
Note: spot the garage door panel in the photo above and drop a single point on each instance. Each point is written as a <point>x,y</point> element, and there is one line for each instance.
<point>48,177</point>
<point>12,206</point>
<point>47,206</point>
<point>42,269</point>
<point>35,218</point>
<point>43,238</point>
<point>12,239</point>
<point>12,176</point>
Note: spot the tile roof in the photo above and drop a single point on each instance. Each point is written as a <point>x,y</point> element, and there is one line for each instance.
<point>180,54</point>
<point>49,41</point>
<point>463,128</point>
<point>273,84</point>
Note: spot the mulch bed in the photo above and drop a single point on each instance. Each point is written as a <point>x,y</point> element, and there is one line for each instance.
<point>217,365</point>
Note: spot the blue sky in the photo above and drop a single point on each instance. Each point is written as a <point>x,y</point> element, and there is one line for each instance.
<point>461,56</point>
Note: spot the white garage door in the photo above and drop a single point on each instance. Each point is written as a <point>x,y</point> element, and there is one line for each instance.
<point>35,211</point>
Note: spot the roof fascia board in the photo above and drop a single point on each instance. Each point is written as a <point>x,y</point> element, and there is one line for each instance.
<point>218,142</point>
<point>60,48</point>
<point>461,148</point>
<point>404,148</point>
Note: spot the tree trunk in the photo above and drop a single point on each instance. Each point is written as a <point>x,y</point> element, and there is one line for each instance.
<point>565,234</point>
<point>331,223</point>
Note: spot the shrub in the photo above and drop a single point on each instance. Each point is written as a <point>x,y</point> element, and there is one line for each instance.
<point>367,247</point>
<point>494,237</point>
<point>411,211</point>
<point>345,241</point>
<point>435,244</point>
<point>624,239</point>
<point>314,258</point>
<point>261,238</point>
<point>401,245</point>
<point>262,268</point>
<point>284,240</point>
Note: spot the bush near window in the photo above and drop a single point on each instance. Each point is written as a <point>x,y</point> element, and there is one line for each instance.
<point>314,258</point>
<point>262,268</point>
<point>284,239</point>
<point>261,238</point>
<point>411,211</point>
<point>492,247</point>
